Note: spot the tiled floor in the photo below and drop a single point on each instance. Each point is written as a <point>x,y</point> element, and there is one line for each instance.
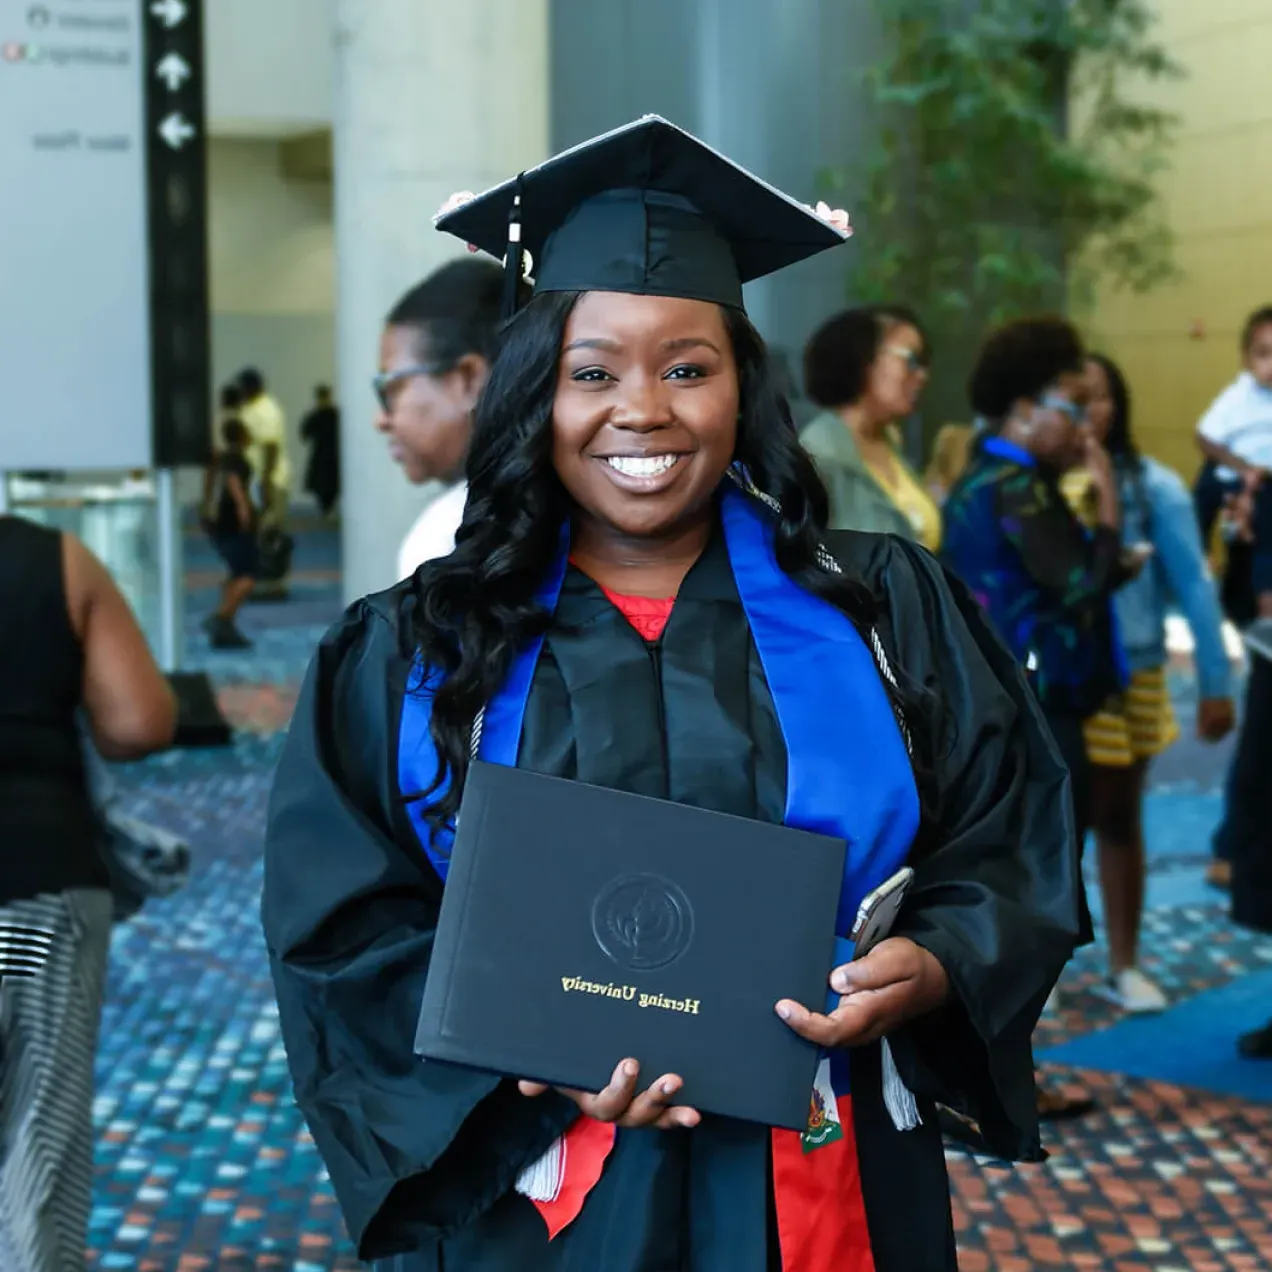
<point>204,1162</point>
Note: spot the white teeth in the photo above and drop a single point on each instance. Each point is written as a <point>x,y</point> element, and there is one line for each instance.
<point>645,466</point>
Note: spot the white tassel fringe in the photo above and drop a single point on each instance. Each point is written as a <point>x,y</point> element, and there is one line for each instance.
<point>542,1180</point>
<point>897,1097</point>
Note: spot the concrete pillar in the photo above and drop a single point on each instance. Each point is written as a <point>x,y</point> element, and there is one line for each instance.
<point>431,97</point>
<point>777,87</point>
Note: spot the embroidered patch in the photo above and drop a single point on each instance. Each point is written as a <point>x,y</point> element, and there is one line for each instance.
<point>823,1113</point>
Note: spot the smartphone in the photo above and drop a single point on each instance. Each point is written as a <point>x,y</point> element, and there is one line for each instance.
<point>878,912</point>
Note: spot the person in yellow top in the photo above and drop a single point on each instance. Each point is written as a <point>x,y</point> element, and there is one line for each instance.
<point>866,368</point>
<point>950,453</point>
<point>267,454</point>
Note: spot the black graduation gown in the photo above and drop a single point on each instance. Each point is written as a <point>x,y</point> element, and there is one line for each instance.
<point>1250,805</point>
<point>423,1156</point>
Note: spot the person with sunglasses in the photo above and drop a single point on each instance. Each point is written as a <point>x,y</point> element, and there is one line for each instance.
<point>867,368</point>
<point>1045,581</point>
<point>436,350</point>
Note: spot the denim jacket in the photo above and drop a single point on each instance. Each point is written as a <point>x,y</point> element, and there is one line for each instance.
<point>1157,509</point>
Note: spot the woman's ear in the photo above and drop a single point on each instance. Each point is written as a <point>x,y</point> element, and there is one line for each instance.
<point>473,371</point>
<point>1022,414</point>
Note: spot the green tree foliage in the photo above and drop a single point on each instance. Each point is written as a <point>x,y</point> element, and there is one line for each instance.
<point>1015,158</point>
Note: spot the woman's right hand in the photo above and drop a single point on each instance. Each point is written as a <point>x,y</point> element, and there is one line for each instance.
<point>620,1104</point>
<point>1099,465</point>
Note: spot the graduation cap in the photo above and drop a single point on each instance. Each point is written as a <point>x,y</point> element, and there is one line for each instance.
<point>647,208</point>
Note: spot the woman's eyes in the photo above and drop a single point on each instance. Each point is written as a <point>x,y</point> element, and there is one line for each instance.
<point>599,375</point>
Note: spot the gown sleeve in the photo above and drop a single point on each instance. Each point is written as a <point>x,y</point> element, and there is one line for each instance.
<point>415,1149</point>
<point>996,895</point>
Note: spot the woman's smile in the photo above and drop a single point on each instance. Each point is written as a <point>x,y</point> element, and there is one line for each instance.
<point>644,474</point>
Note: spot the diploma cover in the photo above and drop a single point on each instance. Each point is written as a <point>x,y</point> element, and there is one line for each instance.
<point>582,925</point>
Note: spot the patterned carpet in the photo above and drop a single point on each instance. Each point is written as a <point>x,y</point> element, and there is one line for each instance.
<point>204,1162</point>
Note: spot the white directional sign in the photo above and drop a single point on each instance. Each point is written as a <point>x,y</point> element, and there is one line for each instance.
<point>176,130</point>
<point>173,70</point>
<point>75,330</point>
<point>172,13</point>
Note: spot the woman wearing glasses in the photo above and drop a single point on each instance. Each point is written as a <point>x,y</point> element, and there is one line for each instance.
<point>435,354</point>
<point>1010,534</point>
<point>866,368</point>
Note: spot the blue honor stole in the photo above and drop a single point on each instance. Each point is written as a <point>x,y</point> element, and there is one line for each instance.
<point>848,771</point>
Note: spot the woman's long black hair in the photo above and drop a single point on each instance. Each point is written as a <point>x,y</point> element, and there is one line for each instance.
<point>477,606</point>
<point>1120,441</point>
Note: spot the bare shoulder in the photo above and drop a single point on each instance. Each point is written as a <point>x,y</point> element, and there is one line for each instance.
<point>84,578</point>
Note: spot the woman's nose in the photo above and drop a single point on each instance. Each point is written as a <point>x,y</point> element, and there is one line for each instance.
<point>645,405</point>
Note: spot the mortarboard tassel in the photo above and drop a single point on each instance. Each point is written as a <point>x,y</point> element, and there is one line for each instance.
<point>513,260</point>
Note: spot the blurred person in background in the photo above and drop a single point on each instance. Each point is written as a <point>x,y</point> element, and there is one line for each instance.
<point>1249,816</point>
<point>1232,493</point>
<point>68,645</point>
<point>1235,437</point>
<point>231,404</point>
<point>230,519</point>
<point>320,430</point>
<point>1235,433</point>
<point>271,467</point>
<point>866,369</point>
<point>950,452</point>
<point>1011,536</point>
<point>435,354</point>
<point>1131,728</point>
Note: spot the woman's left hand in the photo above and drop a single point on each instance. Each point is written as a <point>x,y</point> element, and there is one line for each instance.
<point>897,981</point>
<point>1216,718</point>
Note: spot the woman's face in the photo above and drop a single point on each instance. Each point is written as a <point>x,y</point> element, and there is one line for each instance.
<point>1099,401</point>
<point>427,417</point>
<point>646,414</point>
<point>898,374</point>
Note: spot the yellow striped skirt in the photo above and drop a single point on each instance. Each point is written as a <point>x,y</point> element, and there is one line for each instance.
<point>1136,725</point>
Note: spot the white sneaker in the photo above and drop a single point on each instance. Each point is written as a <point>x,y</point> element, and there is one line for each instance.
<point>1133,992</point>
<point>1258,638</point>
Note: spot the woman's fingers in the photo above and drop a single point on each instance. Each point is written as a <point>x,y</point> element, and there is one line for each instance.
<point>607,1105</point>
<point>852,1023</point>
<point>457,200</point>
<point>678,1119</point>
<point>650,1108</point>
<point>613,1102</point>
<point>619,1102</point>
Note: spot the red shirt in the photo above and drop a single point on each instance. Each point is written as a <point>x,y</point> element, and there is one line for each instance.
<point>647,614</point>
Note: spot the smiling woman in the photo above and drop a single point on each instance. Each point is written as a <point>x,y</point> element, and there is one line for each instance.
<point>642,596</point>
<point>645,424</point>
